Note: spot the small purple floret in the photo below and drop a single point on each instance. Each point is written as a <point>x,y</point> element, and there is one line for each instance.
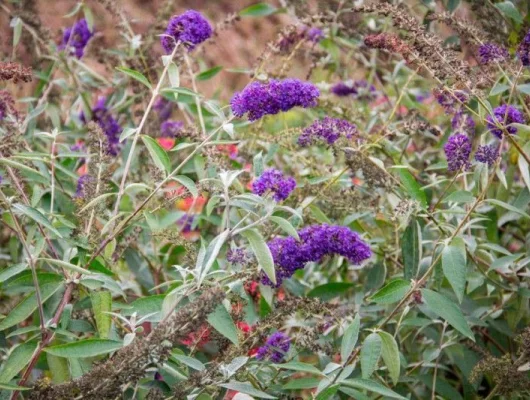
<point>76,38</point>
<point>504,115</point>
<point>457,150</point>
<point>487,154</point>
<point>171,129</point>
<point>490,52</point>
<point>190,28</point>
<point>273,180</point>
<point>328,130</point>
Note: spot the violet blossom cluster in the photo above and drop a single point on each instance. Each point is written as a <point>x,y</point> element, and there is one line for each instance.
<point>457,150</point>
<point>275,348</point>
<point>259,99</point>
<point>328,130</point>
<point>361,90</point>
<point>503,116</point>
<point>316,242</point>
<point>275,182</point>
<point>189,28</point>
<point>487,154</point>
<point>451,101</point>
<point>76,38</point>
<point>82,182</point>
<point>490,53</point>
<point>110,126</point>
<point>237,256</point>
<point>523,51</point>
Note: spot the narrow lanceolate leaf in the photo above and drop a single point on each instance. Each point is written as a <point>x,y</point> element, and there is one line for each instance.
<point>209,73</point>
<point>300,366</point>
<point>211,253</point>
<point>285,226</point>
<point>7,386</point>
<point>372,386</point>
<point>411,249</point>
<point>412,187</point>
<point>447,310</point>
<point>262,252</point>
<point>157,153</point>
<point>524,167</point>
<point>37,216</point>
<point>84,348</point>
<point>221,320</point>
<point>349,339</point>
<point>58,368</point>
<point>28,305</point>
<point>174,75</point>
<point>65,265</point>
<point>370,353</point>
<point>247,388</point>
<point>454,266</point>
<point>390,353</point>
<point>258,10</point>
<point>508,207</point>
<point>135,75</point>
<point>17,360</point>
<point>102,305</point>
<point>392,292</point>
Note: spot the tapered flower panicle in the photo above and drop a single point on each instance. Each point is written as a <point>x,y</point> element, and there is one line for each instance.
<point>259,99</point>
<point>189,28</point>
<point>490,52</point>
<point>274,181</point>
<point>76,38</point>
<point>275,348</point>
<point>328,130</point>
<point>502,117</point>
<point>457,150</point>
<point>487,154</point>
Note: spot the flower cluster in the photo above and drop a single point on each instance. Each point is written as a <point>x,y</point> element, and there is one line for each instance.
<point>314,34</point>
<point>102,116</point>
<point>82,182</point>
<point>259,99</point>
<point>273,180</point>
<point>503,116</point>
<point>490,53</point>
<point>163,108</point>
<point>236,256</point>
<point>361,89</point>
<point>451,100</point>
<point>316,241</point>
<point>275,348</point>
<point>328,130</point>
<point>16,72</point>
<point>76,38</point>
<point>170,129</point>
<point>457,150</point>
<point>189,28</point>
<point>487,154</point>
<point>523,51</point>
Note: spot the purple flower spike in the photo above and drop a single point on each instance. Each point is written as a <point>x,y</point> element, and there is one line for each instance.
<point>275,348</point>
<point>457,150</point>
<point>328,130</point>
<point>236,256</point>
<point>260,99</point>
<point>101,114</point>
<point>190,28</point>
<point>523,51</point>
<point>341,89</point>
<point>274,181</point>
<point>314,34</point>
<point>81,185</point>
<point>170,128</point>
<point>487,154</point>
<point>490,52</point>
<point>451,101</point>
<point>76,38</point>
<point>504,115</point>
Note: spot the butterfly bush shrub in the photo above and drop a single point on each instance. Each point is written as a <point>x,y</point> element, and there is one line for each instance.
<point>345,216</point>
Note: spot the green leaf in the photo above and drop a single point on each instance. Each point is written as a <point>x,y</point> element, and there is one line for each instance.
<point>411,249</point>
<point>58,368</point>
<point>454,266</point>
<point>286,226</point>
<point>84,348</point>
<point>158,154</point>
<point>319,215</point>
<point>65,265</point>
<point>392,292</point>
<point>328,393</point>
<point>173,74</point>
<point>18,358</point>
<point>211,254</point>
<point>36,216</point>
<point>6,386</point>
<point>258,10</point>
<point>127,132</point>
<point>247,388</point>
<point>16,24</point>
<point>299,366</point>
<point>189,361</point>
<point>459,196</point>
<point>262,252</point>
<point>9,272</point>
<point>330,290</point>
<point>508,9</point>
<point>370,353</point>
<point>412,187</point>
<point>222,321</point>
<point>507,207</point>
<point>523,165</point>
<point>372,386</point>
<point>29,304</point>
<point>209,73</point>
<point>447,310</point>
<point>302,383</point>
<point>102,305</point>
<point>135,75</point>
<point>180,90</point>
<point>390,353</point>
<point>188,184</point>
<point>349,339</point>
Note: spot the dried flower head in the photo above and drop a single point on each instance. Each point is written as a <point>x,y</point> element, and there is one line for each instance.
<point>189,28</point>
<point>275,348</point>
<point>102,116</point>
<point>274,181</point>
<point>15,72</point>
<point>503,116</point>
<point>259,99</point>
<point>457,150</point>
<point>463,122</point>
<point>7,105</point>
<point>237,256</point>
<point>76,38</point>
<point>328,130</point>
